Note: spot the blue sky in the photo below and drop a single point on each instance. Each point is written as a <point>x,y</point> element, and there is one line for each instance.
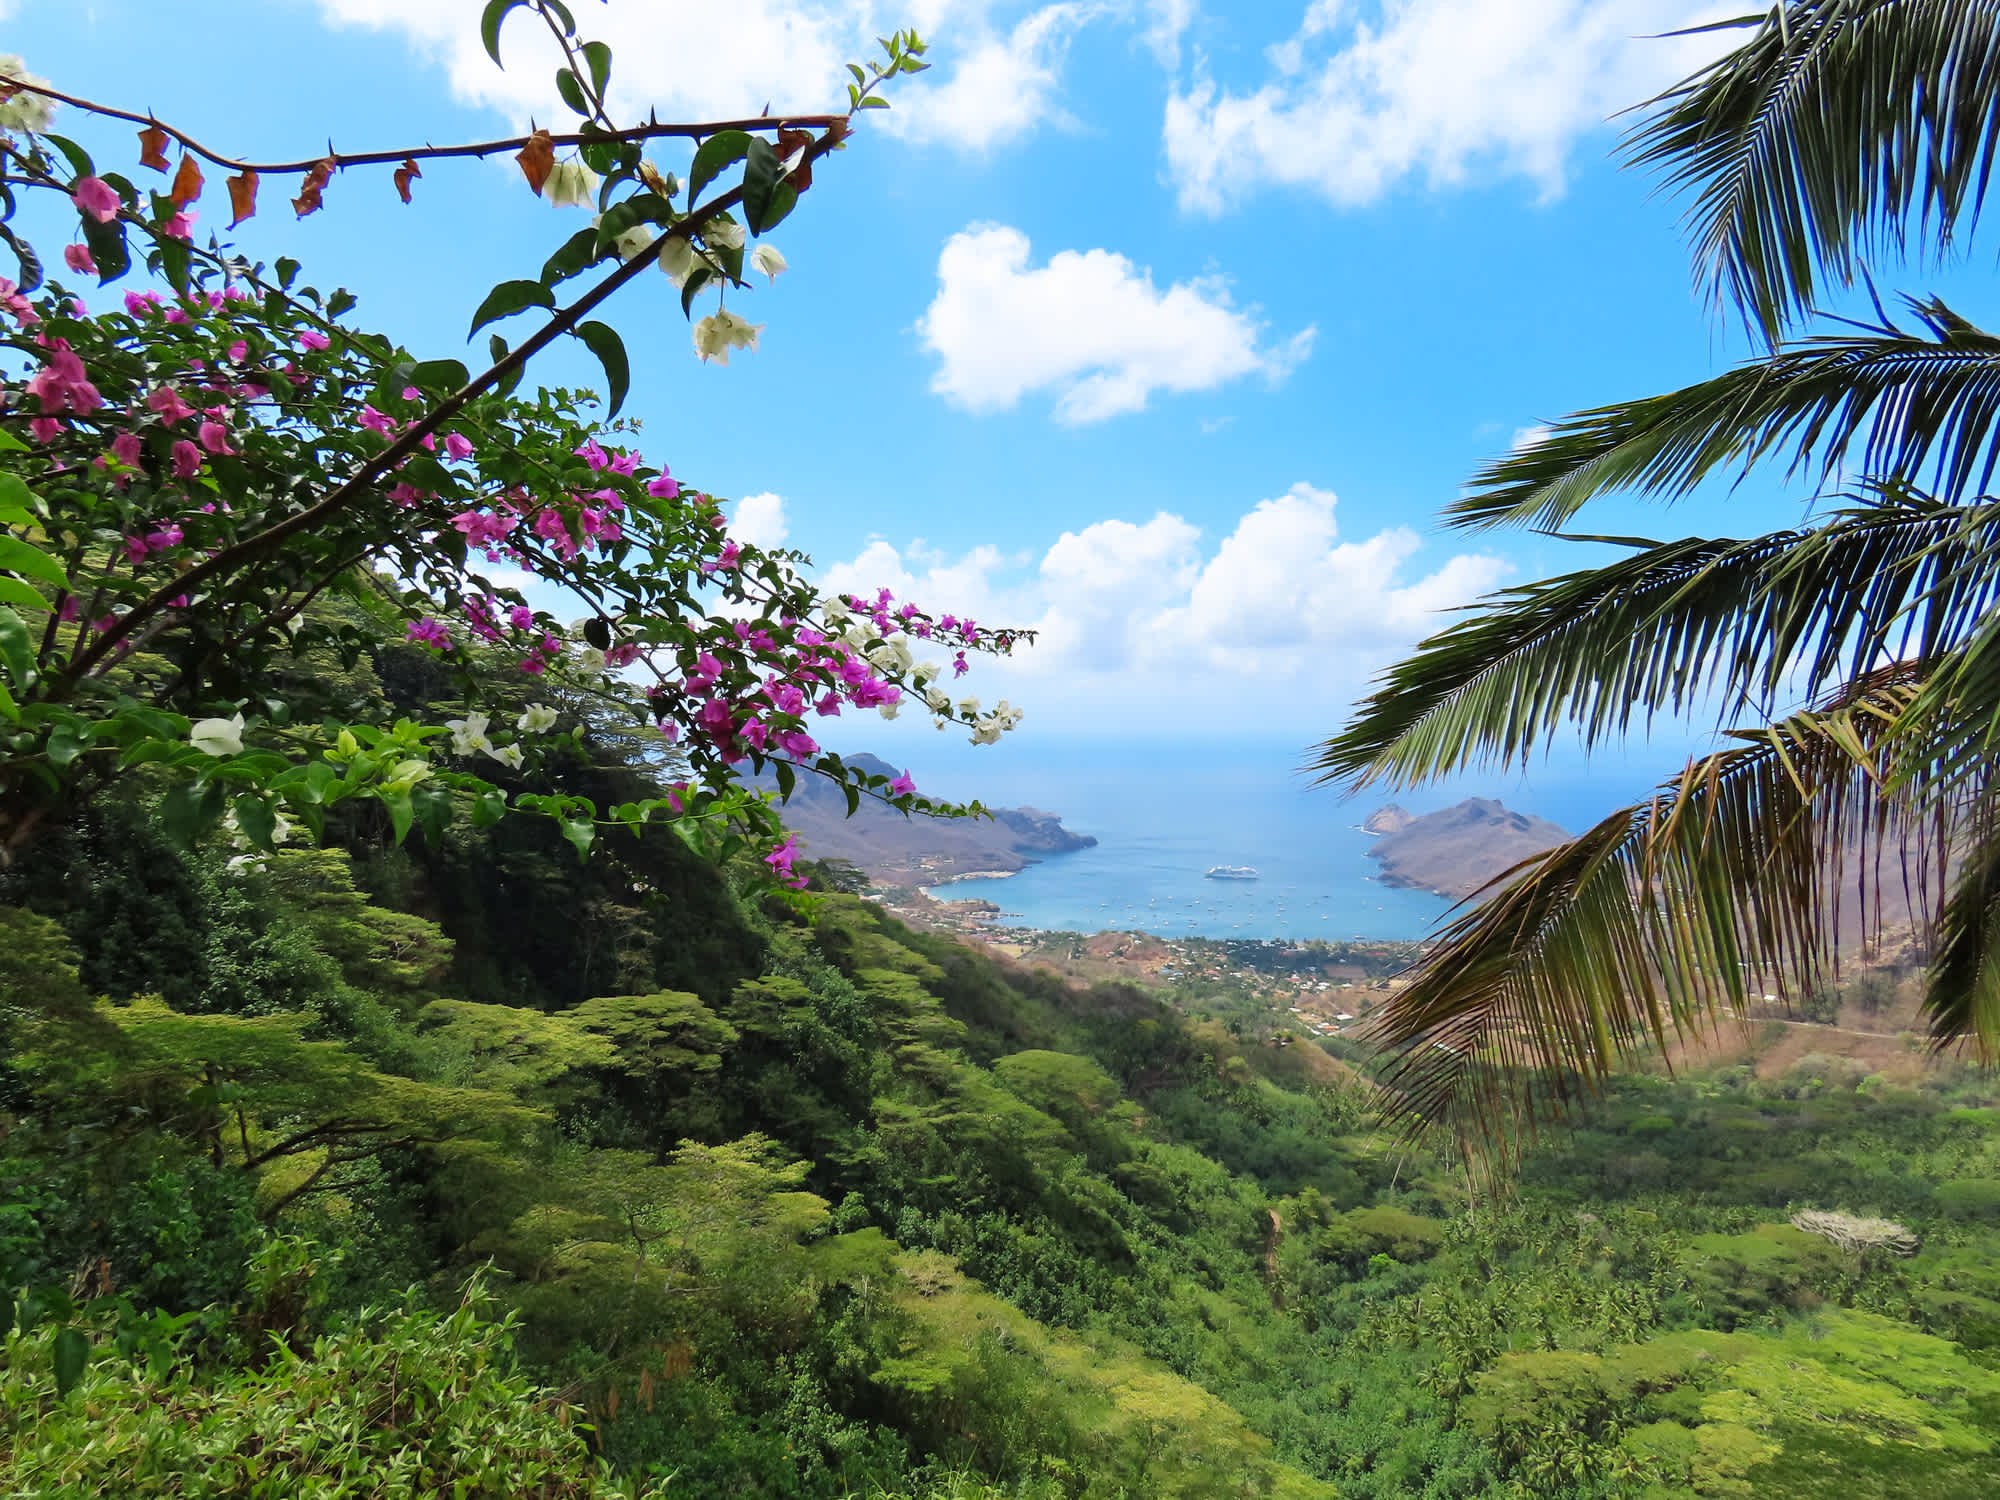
<point>1090,332</point>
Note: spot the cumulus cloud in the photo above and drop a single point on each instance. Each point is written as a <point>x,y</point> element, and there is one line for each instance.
<point>1434,89</point>
<point>1278,620</point>
<point>999,88</point>
<point>760,520</point>
<point>1089,326</point>
<point>990,82</point>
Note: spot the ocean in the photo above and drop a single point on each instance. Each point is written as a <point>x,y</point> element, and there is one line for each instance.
<point>1164,817</point>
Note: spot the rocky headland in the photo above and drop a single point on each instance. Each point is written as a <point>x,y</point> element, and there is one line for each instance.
<point>892,849</point>
<point>1454,852</point>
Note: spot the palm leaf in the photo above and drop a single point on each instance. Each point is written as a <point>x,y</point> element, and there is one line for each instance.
<point>1840,130</point>
<point>1661,919</point>
<point>1889,400</point>
<point>1676,624</point>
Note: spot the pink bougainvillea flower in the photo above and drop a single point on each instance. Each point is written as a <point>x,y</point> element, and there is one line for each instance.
<point>534,666</point>
<point>665,487</point>
<point>175,315</point>
<point>127,449</point>
<point>62,384</point>
<point>78,258</point>
<point>593,455</point>
<point>96,197</point>
<point>624,463</point>
<point>14,301</point>
<point>671,733</point>
<point>429,632</point>
<point>70,610</point>
<point>521,617</point>
<point>238,352</point>
<point>456,446</point>
<point>376,421</point>
<point>136,549</point>
<point>406,495</point>
<point>798,744</point>
<point>902,786</point>
<point>622,655</point>
<point>138,304</point>
<point>186,460</point>
<point>44,429</point>
<point>167,535</point>
<point>181,225</point>
<point>167,402</point>
<point>313,339</point>
<point>215,437</point>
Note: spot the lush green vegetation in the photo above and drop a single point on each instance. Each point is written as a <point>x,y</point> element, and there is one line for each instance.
<point>464,1163</point>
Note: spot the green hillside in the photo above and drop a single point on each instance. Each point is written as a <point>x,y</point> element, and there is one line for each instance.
<point>464,1163</point>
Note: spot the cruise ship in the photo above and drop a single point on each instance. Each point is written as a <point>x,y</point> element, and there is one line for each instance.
<point>1232,872</point>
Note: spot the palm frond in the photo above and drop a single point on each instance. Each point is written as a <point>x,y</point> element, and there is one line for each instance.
<point>1658,921</point>
<point>1962,990</point>
<point>1677,623</point>
<point>1921,408</point>
<point>1839,130</point>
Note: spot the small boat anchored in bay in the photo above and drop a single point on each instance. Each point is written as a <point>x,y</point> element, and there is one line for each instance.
<point>1232,872</point>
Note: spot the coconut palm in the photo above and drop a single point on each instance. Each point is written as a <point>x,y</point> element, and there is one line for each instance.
<point>1862,648</point>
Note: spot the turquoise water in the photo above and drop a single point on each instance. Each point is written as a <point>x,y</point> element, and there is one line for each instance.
<point>1163,818</point>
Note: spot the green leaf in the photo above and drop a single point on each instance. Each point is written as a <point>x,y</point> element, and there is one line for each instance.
<point>581,833</point>
<point>69,740</point>
<point>508,298</point>
<point>11,444</point>
<point>446,375</point>
<point>577,253</point>
<point>17,650</point>
<point>341,300</point>
<point>489,808</point>
<point>107,248</point>
<point>762,171</point>
<point>19,557</point>
<point>13,591</point>
<point>717,152</point>
<point>70,1352</point>
<point>489,26</point>
<point>401,813</point>
<point>30,263</point>
<point>562,12</point>
<point>853,799</point>
<point>784,198</point>
<point>190,808</point>
<point>787,779</point>
<point>257,818</point>
<point>603,341</point>
<point>598,57</point>
<point>597,633</point>
<point>78,158</point>
<point>697,279</point>
<point>17,501</point>
<point>287,268</point>
<point>571,91</point>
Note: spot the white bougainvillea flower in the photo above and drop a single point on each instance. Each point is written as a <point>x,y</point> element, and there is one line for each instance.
<point>24,111</point>
<point>538,719</point>
<point>571,185</point>
<point>768,259</point>
<point>723,235</point>
<point>469,733</point>
<point>677,258</point>
<point>218,736</point>
<point>507,755</point>
<point>590,659</point>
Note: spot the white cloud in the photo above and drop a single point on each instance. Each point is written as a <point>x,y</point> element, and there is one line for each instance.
<point>1527,437</point>
<point>999,89</point>
<point>1434,89</point>
<point>1167,22</point>
<point>1089,326</point>
<point>697,62</point>
<point>760,521</point>
<point>1281,621</point>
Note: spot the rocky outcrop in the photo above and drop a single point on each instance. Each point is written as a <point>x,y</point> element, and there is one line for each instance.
<point>1454,852</point>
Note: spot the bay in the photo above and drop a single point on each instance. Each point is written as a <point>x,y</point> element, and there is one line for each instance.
<point>1165,815</point>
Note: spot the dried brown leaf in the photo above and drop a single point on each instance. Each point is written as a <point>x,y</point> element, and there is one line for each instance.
<point>187,182</point>
<point>403,175</point>
<point>242,196</point>
<point>308,200</point>
<point>153,148</point>
<point>537,159</point>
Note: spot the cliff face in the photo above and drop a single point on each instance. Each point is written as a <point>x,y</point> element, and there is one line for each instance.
<point>1454,852</point>
<point>896,850</point>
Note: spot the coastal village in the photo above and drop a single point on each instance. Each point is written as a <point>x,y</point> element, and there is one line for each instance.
<point>1312,989</point>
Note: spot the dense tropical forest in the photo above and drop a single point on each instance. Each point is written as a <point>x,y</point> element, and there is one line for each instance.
<point>373,1169</point>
